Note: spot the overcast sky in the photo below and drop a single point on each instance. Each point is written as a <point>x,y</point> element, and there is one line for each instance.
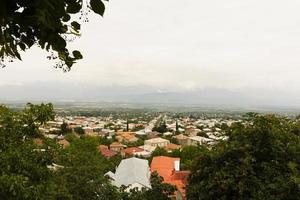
<point>174,45</point>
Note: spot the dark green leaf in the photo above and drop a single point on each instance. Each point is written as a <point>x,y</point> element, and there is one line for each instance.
<point>18,55</point>
<point>64,29</point>
<point>22,46</point>
<point>66,18</point>
<point>98,6</point>
<point>77,54</point>
<point>73,8</point>
<point>59,44</point>
<point>75,25</point>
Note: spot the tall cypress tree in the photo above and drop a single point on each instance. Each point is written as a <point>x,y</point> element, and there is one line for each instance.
<point>127,126</point>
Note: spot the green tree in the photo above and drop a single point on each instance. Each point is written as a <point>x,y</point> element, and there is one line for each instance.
<point>34,116</point>
<point>137,143</point>
<point>45,23</point>
<point>25,167</point>
<point>159,152</point>
<point>79,130</point>
<point>23,164</point>
<point>260,160</point>
<point>64,129</point>
<point>127,125</point>
<point>188,154</point>
<point>84,169</point>
<point>161,128</point>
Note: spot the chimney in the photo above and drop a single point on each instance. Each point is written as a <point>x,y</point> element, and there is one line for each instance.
<point>177,165</point>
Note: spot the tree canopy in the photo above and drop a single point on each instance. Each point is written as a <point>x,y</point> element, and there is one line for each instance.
<point>27,167</point>
<point>45,23</point>
<point>261,160</point>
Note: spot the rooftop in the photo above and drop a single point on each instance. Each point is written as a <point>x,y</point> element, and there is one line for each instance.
<point>133,170</point>
<point>156,140</point>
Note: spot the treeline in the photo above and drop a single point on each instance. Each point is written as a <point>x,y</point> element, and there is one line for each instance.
<point>131,114</point>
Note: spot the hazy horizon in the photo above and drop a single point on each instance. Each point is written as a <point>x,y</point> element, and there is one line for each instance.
<point>60,92</point>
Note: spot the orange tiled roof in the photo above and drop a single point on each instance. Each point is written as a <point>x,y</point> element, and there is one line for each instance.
<point>116,144</point>
<point>179,179</point>
<point>128,137</point>
<point>108,153</point>
<point>102,147</point>
<point>72,126</point>
<point>172,146</point>
<point>181,137</point>
<point>132,150</point>
<point>179,186</point>
<point>125,133</point>
<point>181,175</point>
<point>165,168</point>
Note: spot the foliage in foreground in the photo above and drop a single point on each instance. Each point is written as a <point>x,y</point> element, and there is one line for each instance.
<point>261,160</point>
<point>45,23</point>
<point>24,164</point>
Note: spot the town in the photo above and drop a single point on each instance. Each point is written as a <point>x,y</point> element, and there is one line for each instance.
<point>149,100</point>
<point>136,138</point>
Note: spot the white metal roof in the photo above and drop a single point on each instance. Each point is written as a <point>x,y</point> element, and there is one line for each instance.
<point>133,170</point>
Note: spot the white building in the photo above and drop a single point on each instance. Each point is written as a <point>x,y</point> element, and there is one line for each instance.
<point>198,140</point>
<point>133,173</point>
<point>157,142</point>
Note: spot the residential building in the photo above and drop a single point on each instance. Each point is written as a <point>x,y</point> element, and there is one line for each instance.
<point>182,139</point>
<point>167,133</point>
<point>198,140</point>
<point>88,130</point>
<point>172,147</point>
<point>126,137</point>
<point>131,151</point>
<point>153,134</point>
<point>107,153</point>
<point>141,132</point>
<point>132,173</point>
<point>116,146</point>
<point>148,148</point>
<point>191,132</point>
<point>157,142</point>
<point>169,169</point>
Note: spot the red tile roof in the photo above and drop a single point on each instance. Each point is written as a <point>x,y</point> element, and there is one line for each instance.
<point>132,150</point>
<point>171,147</point>
<point>116,144</point>
<point>179,179</point>
<point>107,153</point>
<point>165,167</point>
<point>181,175</point>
